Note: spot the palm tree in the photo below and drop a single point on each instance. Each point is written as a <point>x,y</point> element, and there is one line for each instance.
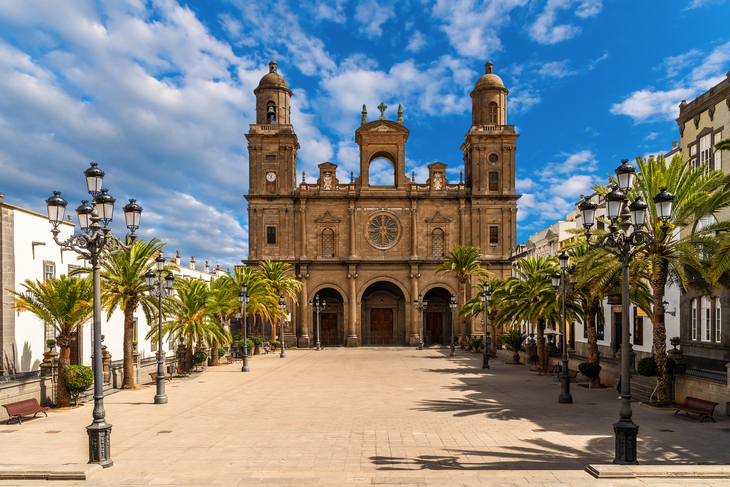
<point>263,302</point>
<point>525,297</point>
<point>192,318</point>
<point>463,262</point>
<point>123,286</point>
<point>675,256</point>
<point>276,275</point>
<point>514,339</point>
<point>474,307</point>
<point>66,303</point>
<point>724,144</point>
<point>223,305</point>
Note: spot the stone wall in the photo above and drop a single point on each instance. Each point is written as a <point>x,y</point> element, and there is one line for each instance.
<point>26,386</point>
<point>703,389</point>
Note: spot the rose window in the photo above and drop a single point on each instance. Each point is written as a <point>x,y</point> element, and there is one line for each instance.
<point>383,231</point>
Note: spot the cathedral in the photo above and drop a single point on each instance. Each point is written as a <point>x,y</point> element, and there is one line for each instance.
<point>370,250</point>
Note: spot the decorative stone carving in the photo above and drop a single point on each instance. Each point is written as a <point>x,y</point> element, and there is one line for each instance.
<point>327,181</point>
<point>438,181</point>
<point>383,231</point>
<point>711,112</point>
<point>697,120</point>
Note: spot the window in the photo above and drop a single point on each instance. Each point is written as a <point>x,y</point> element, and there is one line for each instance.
<point>718,328</point>
<point>493,181</point>
<point>706,321</point>
<point>271,235</point>
<point>694,319</point>
<point>271,113</point>
<point>692,154</point>
<point>493,113</point>
<point>638,328</point>
<point>49,270</point>
<point>328,243</point>
<point>718,154</point>
<point>437,243</point>
<point>705,149</point>
<point>493,235</point>
<point>599,327</point>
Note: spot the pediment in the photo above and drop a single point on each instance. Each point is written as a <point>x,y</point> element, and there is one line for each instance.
<point>327,218</point>
<point>380,126</point>
<point>438,218</point>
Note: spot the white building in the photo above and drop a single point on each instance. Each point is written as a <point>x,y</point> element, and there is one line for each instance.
<point>27,251</point>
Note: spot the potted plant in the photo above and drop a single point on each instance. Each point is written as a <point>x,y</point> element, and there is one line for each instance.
<point>221,352</point>
<point>199,357</point>
<point>51,343</point>
<point>514,339</point>
<point>275,344</point>
<point>257,341</point>
<point>589,370</point>
<point>475,343</point>
<point>134,345</point>
<point>674,341</point>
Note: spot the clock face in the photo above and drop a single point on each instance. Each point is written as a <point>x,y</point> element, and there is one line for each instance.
<point>271,177</point>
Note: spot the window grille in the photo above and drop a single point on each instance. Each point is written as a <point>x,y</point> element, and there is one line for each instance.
<point>600,328</point>
<point>437,243</point>
<point>706,321</point>
<point>271,235</point>
<point>493,235</point>
<point>718,154</point>
<point>694,319</point>
<point>493,181</point>
<point>705,149</point>
<point>493,113</point>
<point>638,329</point>
<point>718,327</point>
<point>328,243</point>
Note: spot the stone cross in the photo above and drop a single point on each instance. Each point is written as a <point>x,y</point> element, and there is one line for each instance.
<point>382,108</point>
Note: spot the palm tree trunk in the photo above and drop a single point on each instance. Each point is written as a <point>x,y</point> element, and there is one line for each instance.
<point>658,281</point>
<point>461,324</point>
<point>542,358</point>
<point>189,356</point>
<point>273,331</point>
<point>593,356</point>
<point>128,358</point>
<point>63,398</point>
<point>493,340</point>
<point>214,361</point>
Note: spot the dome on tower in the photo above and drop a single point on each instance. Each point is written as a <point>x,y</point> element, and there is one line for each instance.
<point>489,80</point>
<point>272,79</point>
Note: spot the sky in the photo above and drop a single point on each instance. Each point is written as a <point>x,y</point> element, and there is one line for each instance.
<point>160,94</point>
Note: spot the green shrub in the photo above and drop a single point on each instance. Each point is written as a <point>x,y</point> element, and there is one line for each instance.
<point>77,378</point>
<point>475,343</point>
<point>534,358</point>
<point>647,367</point>
<point>590,370</point>
<point>200,357</point>
<point>276,343</point>
<point>249,345</point>
<point>221,352</point>
<point>134,342</point>
<point>455,338</point>
<point>51,342</point>
<point>257,340</point>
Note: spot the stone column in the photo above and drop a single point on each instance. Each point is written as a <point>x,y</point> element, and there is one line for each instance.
<point>304,309</point>
<point>413,336</point>
<point>303,228</point>
<point>352,230</point>
<point>462,230</point>
<point>106,361</point>
<point>414,233</point>
<point>7,281</point>
<point>351,340</point>
<point>50,362</point>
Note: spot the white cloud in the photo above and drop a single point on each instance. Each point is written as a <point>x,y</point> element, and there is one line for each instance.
<point>372,15</point>
<point>472,26</point>
<point>523,100</point>
<point>417,42</point>
<point>525,184</point>
<point>381,173</point>
<point>556,69</point>
<point>589,8</point>
<point>544,30</point>
<point>650,104</point>
<point>652,136</point>
<point>702,3</point>
<point>592,65</point>
<point>333,10</point>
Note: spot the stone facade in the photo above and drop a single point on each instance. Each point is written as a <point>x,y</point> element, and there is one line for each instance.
<point>370,250</point>
<point>702,123</point>
<point>7,281</point>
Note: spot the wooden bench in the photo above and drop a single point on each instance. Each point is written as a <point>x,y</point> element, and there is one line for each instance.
<point>704,409</point>
<point>231,358</point>
<point>549,370</point>
<point>168,377</point>
<point>573,375</point>
<point>24,408</point>
<point>180,372</point>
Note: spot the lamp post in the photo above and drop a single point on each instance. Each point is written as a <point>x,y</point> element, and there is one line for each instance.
<point>95,244</point>
<point>160,287</point>
<point>625,244</point>
<point>244,298</point>
<point>420,304</point>
<point>486,297</point>
<point>282,308</point>
<point>453,306</point>
<point>561,285</point>
<point>318,308</point>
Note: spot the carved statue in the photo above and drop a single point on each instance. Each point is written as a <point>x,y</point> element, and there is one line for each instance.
<point>327,181</point>
<point>438,181</point>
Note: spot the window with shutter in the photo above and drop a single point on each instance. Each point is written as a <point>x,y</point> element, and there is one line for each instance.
<point>437,243</point>
<point>328,243</point>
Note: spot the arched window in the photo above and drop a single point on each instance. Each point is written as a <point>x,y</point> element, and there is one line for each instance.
<point>694,319</point>
<point>381,172</point>
<point>706,321</point>
<point>328,243</point>
<point>492,110</point>
<point>271,112</point>
<point>437,243</point>
<point>718,328</point>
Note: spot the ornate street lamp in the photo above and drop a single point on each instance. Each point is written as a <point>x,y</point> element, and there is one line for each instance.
<point>486,297</point>
<point>282,308</point>
<point>420,304</point>
<point>96,244</point>
<point>318,308</point>
<point>244,298</point>
<point>453,305</point>
<point>561,286</point>
<point>159,287</point>
<point>625,242</point>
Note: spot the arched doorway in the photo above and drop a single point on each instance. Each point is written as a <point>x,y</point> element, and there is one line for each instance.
<point>332,318</point>
<point>437,317</point>
<point>381,170</point>
<point>383,316</point>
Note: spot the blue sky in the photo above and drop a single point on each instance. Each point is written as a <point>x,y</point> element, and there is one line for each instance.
<point>160,94</point>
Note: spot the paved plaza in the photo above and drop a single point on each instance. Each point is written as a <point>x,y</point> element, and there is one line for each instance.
<point>360,417</point>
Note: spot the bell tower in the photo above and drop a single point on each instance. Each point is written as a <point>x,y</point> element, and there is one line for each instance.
<point>489,146</point>
<point>272,143</point>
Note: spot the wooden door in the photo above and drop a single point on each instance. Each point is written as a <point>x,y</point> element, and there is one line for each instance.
<point>328,328</point>
<point>433,329</point>
<point>381,326</point>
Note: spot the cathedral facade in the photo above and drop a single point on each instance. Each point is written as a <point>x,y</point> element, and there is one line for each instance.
<point>371,250</point>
